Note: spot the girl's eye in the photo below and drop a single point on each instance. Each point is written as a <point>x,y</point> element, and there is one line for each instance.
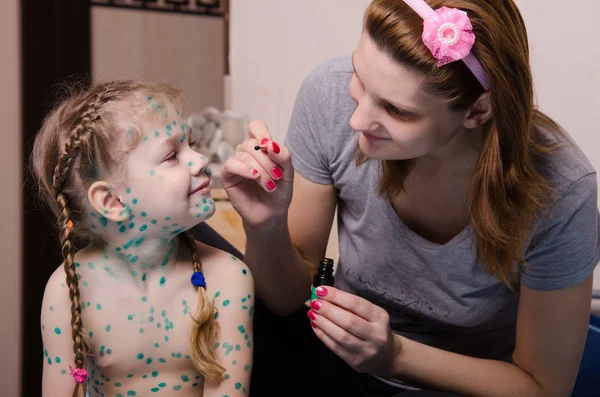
<point>192,143</point>
<point>392,110</point>
<point>171,157</point>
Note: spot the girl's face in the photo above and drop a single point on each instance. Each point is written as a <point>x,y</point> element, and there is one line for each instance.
<point>167,184</point>
<point>397,118</point>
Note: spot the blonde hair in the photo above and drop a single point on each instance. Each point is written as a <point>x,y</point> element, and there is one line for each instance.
<point>507,193</point>
<point>73,147</point>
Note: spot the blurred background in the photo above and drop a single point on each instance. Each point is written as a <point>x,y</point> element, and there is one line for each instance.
<point>241,59</point>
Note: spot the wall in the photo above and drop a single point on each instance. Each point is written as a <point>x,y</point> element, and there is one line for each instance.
<point>10,210</point>
<point>275,43</point>
<point>184,50</point>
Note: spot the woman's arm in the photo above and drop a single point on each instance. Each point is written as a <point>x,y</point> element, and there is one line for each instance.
<point>283,255</point>
<point>545,361</point>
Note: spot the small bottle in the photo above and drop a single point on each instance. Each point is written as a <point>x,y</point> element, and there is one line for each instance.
<point>324,276</point>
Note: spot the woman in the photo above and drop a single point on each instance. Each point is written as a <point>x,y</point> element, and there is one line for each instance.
<point>468,221</point>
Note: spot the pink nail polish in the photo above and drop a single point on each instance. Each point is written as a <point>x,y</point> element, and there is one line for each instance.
<point>254,172</point>
<point>276,148</point>
<point>316,305</point>
<point>313,325</point>
<point>321,292</point>
<point>264,141</point>
<point>271,185</point>
<point>312,315</point>
<point>276,172</point>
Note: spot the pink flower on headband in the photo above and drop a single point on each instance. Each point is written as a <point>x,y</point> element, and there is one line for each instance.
<point>448,34</point>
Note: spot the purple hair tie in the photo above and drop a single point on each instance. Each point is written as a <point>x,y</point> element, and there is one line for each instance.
<point>198,280</point>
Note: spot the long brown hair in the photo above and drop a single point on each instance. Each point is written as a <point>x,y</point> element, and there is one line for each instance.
<point>75,145</point>
<point>507,193</point>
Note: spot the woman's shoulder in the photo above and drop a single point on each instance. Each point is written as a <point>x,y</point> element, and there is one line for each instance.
<point>565,164</point>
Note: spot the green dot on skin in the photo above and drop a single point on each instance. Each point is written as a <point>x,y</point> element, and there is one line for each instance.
<point>131,393</point>
<point>57,331</point>
<point>177,387</point>
<point>154,389</point>
<point>226,302</point>
<point>140,356</point>
<point>108,328</point>
<point>162,384</point>
<point>238,385</point>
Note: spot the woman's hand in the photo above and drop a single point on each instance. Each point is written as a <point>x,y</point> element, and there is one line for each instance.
<point>259,182</point>
<point>356,330</point>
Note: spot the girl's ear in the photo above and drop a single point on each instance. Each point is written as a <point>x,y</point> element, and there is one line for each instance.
<point>106,203</point>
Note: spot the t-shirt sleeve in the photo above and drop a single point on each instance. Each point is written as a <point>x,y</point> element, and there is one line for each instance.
<point>310,121</point>
<point>565,248</point>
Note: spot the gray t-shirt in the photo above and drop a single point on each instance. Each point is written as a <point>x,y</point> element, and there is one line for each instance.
<point>435,294</point>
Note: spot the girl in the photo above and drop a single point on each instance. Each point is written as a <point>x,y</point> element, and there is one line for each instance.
<point>468,221</point>
<point>144,309</point>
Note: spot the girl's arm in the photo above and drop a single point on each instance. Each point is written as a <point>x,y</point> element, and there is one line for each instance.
<point>56,335</point>
<point>234,301</point>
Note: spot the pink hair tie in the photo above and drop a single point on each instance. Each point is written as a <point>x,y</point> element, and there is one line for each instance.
<point>79,374</point>
<point>448,34</point>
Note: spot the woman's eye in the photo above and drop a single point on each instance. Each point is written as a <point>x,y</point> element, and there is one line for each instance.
<point>392,110</point>
<point>192,143</point>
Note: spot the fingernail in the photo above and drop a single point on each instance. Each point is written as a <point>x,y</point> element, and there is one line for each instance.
<point>276,172</point>
<point>316,305</point>
<point>312,315</point>
<point>276,148</point>
<point>321,292</point>
<point>271,185</point>
<point>254,172</point>
<point>264,141</point>
<point>313,325</point>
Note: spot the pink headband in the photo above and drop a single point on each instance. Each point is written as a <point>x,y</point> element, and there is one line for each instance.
<point>448,34</point>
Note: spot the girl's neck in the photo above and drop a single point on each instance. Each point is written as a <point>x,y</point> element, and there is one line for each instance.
<point>142,254</point>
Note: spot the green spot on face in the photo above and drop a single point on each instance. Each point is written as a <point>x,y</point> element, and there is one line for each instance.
<point>166,338</point>
<point>154,389</point>
<point>131,393</point>
<point>118,384</point>
<point>130,376</point>
<point>57,330</point>
<point>190,163</point>
<point>143,227</point>
<point>130,317</point>
<point>185,378</point>
<point>91,265</point>
<point>122,228</point>
<point>152,309</point>
<point>184,302</point>
<point>144,277</point>
<point>246,367</point>
<point>217,294</point>
<point>156,345</point>
<point>108,328</point>
<point>91,334</point>
<point>162,384</point>
<point>244,272</point>
<point>164,313</point>
<point>162,360</point>
<point>127,190</point>
<point>163,280</point>
<point>140,356</point>
<point>149,360</point>
<point>226,302</point>
<point>238,385</point>
<point>98,306</point>
<point>103,221</point>
<point>141,330</point>
<point>168,218</point>
<point>156,133</point>
<point>153,221</point>
<point>144,299</point>
<point>177,387</point>
<point>152,172</point>
<point>63,371</point>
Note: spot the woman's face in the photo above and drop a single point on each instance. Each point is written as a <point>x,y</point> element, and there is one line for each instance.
<point>396,118</point>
